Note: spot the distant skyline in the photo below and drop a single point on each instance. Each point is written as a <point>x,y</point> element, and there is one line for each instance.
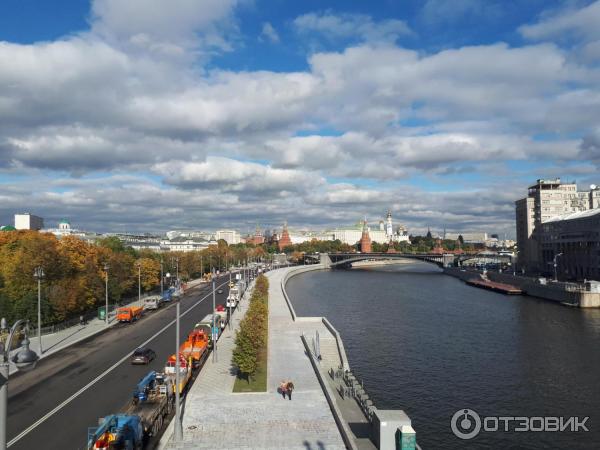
<point>147,115</point>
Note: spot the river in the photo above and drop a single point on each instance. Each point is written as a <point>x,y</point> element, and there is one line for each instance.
<point>427,343</point>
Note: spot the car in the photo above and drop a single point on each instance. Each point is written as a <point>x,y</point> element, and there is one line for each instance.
<point>142,355</point>
<point>219,291</point>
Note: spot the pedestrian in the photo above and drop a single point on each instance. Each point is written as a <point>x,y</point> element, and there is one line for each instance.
<point>81,321</point>
<point>282,388</point>
<point>289,388</point>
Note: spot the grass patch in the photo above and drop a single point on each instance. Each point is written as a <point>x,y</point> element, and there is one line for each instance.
<point>256,382</point>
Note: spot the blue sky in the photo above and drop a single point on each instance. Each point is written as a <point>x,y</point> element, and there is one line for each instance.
<point>150,115</point>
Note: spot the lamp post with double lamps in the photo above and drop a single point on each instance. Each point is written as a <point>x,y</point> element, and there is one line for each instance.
<point>38,273</point>
<point>25,359</point>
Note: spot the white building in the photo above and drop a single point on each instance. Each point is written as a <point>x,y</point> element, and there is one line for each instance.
<point>184,244</point>
<point>64,229</point>
<point>382,235</point>
<point>229,236</point>
<point>27,221</point>
<point>469,238</point>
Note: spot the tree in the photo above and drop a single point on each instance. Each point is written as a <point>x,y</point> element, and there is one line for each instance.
<point>244,355</point>
<point>149,273</point>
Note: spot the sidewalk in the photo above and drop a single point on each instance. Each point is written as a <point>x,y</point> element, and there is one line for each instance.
<point>214,417</point>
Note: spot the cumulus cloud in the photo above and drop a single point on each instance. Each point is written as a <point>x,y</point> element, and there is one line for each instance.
<point>447,11</point>
<point>229,175</point>
<point>269,33</point>
<point>581,22</point>
<point>132,95</point>
<point>351,26</point>
<point>168,29</point>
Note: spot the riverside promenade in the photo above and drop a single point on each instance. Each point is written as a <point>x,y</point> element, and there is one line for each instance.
<point>215,417</point>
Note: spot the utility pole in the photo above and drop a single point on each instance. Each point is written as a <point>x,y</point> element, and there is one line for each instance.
<point>178,427</point>
<point>161,277</point>
<point>39,274</point>
<point>215,335</point>
<point>106,267</point>
<point>139,266</point>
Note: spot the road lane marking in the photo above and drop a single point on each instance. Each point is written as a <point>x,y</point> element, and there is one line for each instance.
<point>41,420</point>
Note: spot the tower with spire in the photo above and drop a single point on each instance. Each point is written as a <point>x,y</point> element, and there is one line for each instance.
<point>389,229</point>
<point>285,240</point>
<point>365,240</point>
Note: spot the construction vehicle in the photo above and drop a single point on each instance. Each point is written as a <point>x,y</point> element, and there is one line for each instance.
<point>207,323</point>
<point>185,371</point>
<point>223,314</point>
<point>232,296</point>
<point>195,347</point>
<point>143,417</point>
<point>129,313</point>
<point>117,431</point>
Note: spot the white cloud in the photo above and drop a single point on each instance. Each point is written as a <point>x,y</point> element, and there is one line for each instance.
<point>582,22</point>
<point>131,96</point>
<point>269,33</point>
<point>229,175</point>
<point>165,28</point>
<point>351,26</point>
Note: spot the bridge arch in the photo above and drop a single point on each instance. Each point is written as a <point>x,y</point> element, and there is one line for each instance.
<point>334,260</point>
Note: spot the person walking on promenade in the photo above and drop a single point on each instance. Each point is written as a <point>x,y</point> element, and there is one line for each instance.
<point>289,388</point>
<point>282,388</point>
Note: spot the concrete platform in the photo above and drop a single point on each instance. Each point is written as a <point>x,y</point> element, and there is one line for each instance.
<point>214,417</point>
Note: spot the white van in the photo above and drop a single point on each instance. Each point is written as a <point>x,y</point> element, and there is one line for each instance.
<point>153,302</point>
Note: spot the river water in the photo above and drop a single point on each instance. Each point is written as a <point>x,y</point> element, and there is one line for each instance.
<point>427,343</point>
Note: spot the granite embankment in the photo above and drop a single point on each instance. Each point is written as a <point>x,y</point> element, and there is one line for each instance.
<point>568,293</point>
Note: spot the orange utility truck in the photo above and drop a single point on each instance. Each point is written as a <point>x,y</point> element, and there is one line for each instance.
<point>129,313</point>
<point>195,347</point>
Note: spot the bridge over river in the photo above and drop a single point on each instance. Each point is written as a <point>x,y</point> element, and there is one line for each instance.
<point>345,260</point>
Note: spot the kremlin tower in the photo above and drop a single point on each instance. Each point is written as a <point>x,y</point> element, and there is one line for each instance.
<point>365,240</point>
<point>284,240</point>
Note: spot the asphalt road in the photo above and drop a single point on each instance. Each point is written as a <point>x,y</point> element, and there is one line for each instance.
<point>34,394</point>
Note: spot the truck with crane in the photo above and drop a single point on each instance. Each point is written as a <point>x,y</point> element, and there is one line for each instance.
<point>142,418</point>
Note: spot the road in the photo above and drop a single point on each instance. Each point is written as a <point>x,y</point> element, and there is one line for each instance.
<point>33,395</point>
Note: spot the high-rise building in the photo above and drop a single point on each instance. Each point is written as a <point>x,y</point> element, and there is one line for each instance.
<point>546,199</point>
<point>570,244</point>
<point>27,221</point>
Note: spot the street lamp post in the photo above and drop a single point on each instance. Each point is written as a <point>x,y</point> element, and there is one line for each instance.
<point>139,267</point>
<point>178,426</point>
<point>176,261</point>
<point>161,277</point>
<point>39,274</point>
<point>214,335</point>
<point>25,360</point>
<point>555,265</point>
<point>106,267</point>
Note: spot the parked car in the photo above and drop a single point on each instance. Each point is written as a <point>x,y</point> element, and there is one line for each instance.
<point>142,356</point>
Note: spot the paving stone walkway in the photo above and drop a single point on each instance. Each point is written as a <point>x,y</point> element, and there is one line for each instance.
<point>214,417</point>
